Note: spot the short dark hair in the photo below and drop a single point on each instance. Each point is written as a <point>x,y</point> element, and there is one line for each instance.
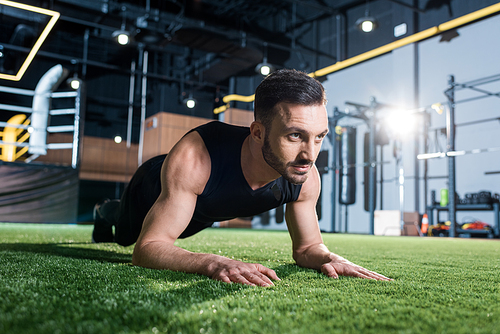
<point>289,86</point>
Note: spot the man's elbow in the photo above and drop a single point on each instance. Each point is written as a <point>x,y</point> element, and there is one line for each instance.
<point>138,255</point>
<point>151,254</point>
<point>136,258</point>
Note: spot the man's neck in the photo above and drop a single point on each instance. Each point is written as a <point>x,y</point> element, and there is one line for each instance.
<point>255,169</point>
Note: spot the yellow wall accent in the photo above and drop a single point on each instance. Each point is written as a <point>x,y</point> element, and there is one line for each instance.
<point>52,21</point>
<point>9,135</point>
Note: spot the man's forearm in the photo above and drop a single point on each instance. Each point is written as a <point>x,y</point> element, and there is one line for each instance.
<point>160,255</point>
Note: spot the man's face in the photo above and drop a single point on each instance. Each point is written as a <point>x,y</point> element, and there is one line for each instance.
<point>292,144</point>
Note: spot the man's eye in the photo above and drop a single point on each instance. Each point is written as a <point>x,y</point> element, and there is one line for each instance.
<point>295,135</point>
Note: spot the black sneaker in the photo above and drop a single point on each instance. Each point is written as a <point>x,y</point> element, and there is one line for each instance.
<point>103,230</point>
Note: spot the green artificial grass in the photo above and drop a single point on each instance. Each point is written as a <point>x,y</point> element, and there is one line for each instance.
<point>53,280</point>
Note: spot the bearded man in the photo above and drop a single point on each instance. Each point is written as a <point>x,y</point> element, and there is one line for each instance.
<point>218,172</point>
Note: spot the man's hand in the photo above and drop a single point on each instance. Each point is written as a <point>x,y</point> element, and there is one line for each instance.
<point>340,266</point>
<point>318,257</point>
<point>308,248</point>
<point>230,271</point>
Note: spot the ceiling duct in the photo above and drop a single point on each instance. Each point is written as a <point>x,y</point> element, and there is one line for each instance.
<point>231,58</point>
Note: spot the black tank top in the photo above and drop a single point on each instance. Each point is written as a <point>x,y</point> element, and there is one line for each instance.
<point>227,194</point>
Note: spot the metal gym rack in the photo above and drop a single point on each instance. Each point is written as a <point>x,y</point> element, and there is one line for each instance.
<point>450,153</point>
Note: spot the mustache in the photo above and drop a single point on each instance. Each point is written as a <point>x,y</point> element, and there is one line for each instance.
<point>301,162</point>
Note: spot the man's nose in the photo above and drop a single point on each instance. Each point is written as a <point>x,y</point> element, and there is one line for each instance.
<point>308,151</point>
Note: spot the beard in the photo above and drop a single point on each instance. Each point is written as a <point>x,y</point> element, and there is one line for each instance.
<point>284,168</point>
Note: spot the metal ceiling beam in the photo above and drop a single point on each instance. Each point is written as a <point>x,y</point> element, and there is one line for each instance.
<point>328,9</point>
<point>75,60</point>
<point>87,23</point>
<point>229,34</point>
<point>415,9</point>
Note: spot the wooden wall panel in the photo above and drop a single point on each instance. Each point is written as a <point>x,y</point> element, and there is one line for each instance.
<point>105,160</point>
<point>102,159</point>
<point>163,130</point>
<point>238,117</point>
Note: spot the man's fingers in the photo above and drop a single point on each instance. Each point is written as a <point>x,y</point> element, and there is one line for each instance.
<point>373,275</point>
<point>329,270</point>
<point>249,274</point>
<point>262,276</point>
<point>231,278</point>
<point>378,276</point>
<point>268,272</point>
<point>238,278</point>
<point>258,279</point>
<point>358,271</point>
<point>224,279</point>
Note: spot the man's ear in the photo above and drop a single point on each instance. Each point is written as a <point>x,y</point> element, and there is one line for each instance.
<point>258,132</point>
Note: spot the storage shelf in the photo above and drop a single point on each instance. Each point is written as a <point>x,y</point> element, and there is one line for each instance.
<point>495,207</point>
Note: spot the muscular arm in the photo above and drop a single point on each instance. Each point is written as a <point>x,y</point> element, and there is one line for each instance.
<point>184,176</point>
<point>308,248</point>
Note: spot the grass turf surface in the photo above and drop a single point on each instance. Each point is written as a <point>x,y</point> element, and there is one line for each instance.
<point>53,280</point>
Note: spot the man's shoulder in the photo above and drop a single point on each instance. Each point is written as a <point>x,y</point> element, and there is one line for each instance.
<point>188,162</point>
<point>219,136</point>
<point>311,188</point>
<point>289,192</point>
<point>220,128</point>
<point>190,146</point>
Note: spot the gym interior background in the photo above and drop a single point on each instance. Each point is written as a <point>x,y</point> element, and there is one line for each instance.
<point>432,65</point>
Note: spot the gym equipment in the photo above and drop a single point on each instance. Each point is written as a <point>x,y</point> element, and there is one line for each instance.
<point>347,173</point>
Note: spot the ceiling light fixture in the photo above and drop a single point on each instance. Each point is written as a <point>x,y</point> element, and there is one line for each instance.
<point>122,36</point>
<point>74,82</point>
<point>264,68</point>
<point>190,101</point>
<point>367,23</point>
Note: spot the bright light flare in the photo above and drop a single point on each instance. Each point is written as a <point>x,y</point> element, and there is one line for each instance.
<point>401,123</point>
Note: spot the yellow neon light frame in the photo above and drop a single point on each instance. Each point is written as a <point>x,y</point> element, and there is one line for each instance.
<point>54,17</point>
<point>452,24</point>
